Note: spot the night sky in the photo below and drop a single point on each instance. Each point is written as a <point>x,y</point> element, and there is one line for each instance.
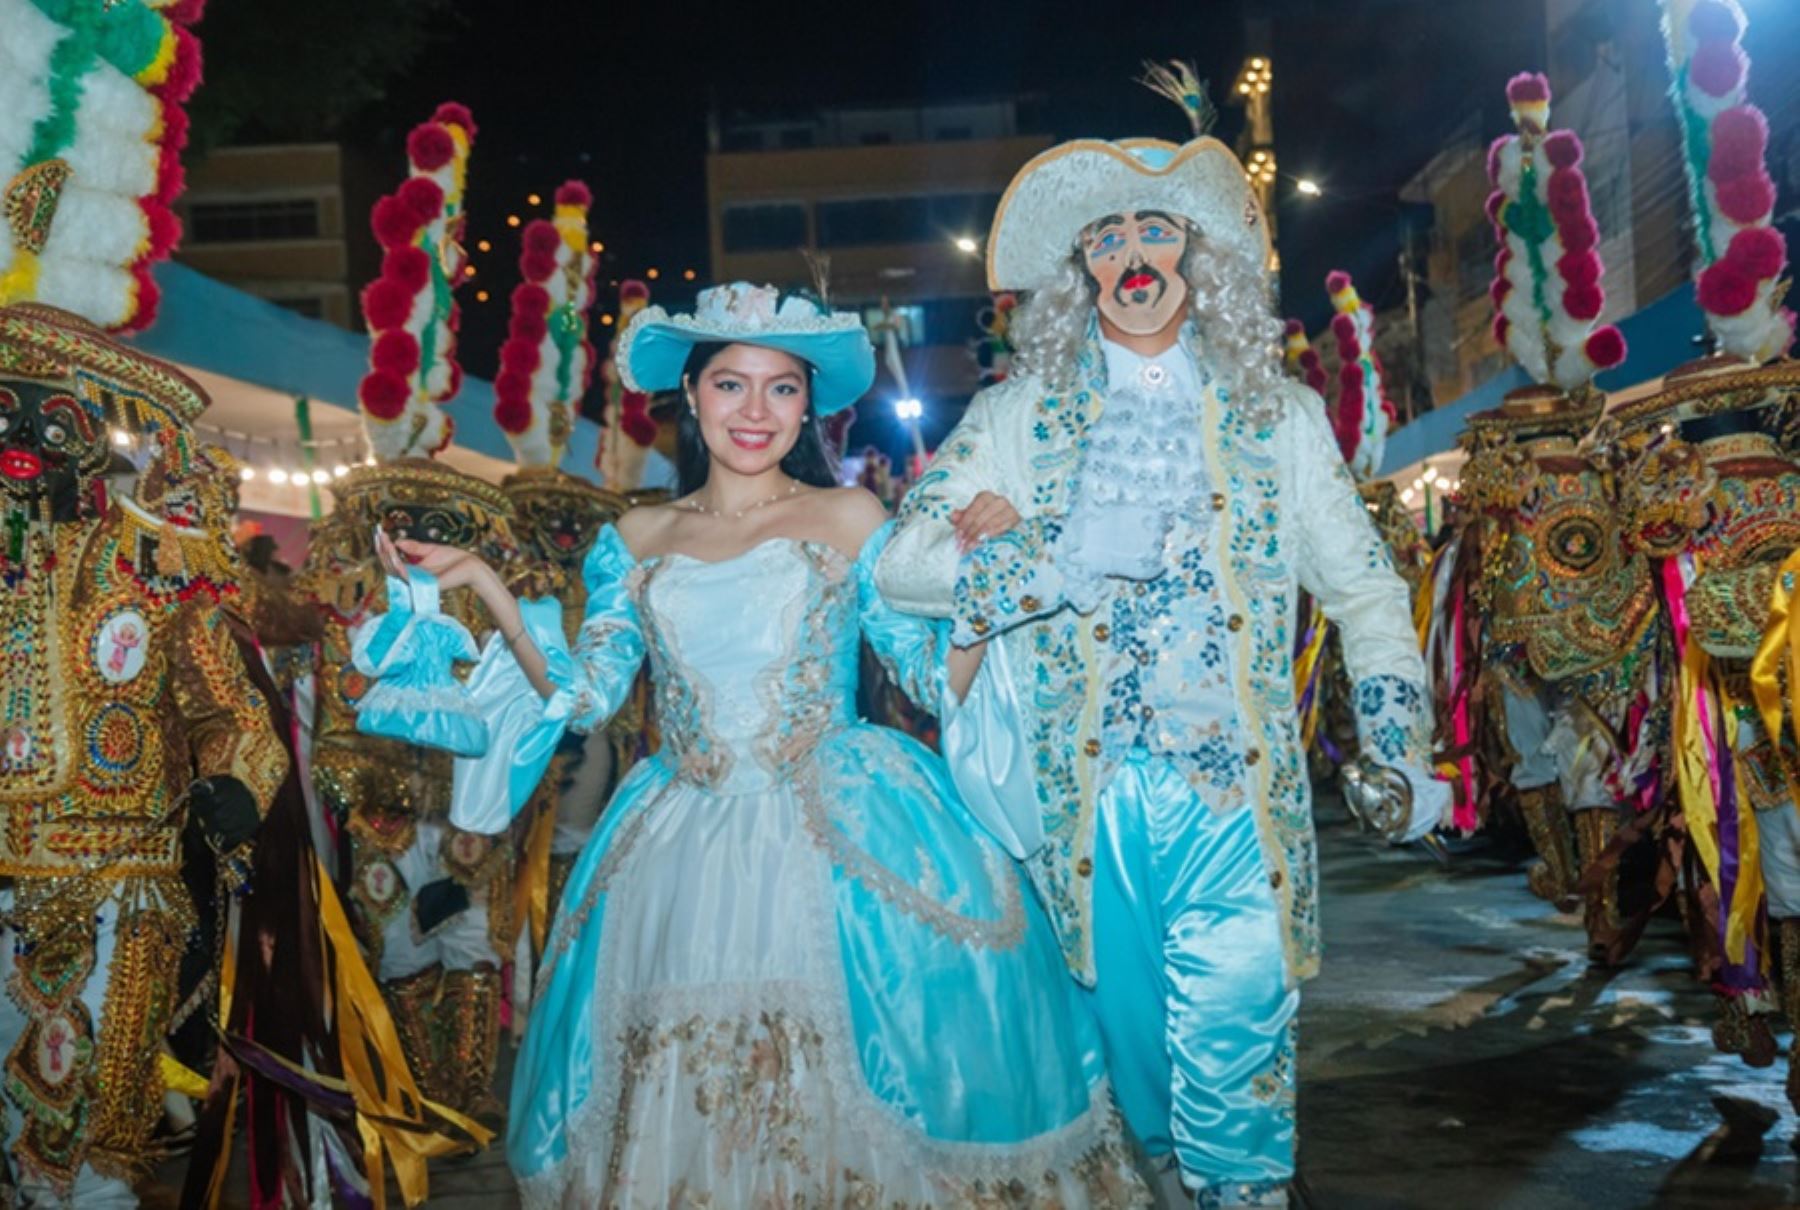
<point>618,94</point>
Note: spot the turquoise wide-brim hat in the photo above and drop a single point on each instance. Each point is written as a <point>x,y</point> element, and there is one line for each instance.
<point>655,345</point>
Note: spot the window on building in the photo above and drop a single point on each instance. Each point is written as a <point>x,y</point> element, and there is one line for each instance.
<point>952,321</point>
<point>795,137</point>
<point>908,321</point>
<point>868,221</point>
<point>956,214</point>
<point>1474,261</point>
<point>244,222</point>
<point>764,228</point>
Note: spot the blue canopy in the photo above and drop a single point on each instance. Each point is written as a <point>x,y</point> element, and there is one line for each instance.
<point>219,328</point>
<point>1658,338</point>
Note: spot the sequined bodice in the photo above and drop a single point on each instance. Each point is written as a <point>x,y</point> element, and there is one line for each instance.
<point>753,659</point>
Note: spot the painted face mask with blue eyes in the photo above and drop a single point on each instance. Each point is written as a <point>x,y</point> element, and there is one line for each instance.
<point>1135,261</point>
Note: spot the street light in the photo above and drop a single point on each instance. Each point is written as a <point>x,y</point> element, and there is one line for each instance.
<point>911,411</point>
<point>1308,186</point>
<point>965,244</point>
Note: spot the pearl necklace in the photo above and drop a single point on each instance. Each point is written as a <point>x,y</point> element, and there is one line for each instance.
<point>697,507</point>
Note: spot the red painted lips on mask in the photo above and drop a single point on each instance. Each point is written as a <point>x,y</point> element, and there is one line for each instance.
<point>20,464</point>
<point>1138,281</point>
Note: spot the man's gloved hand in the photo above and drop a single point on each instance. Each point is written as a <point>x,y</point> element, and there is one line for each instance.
<point>1431,803</point>
<point>1401,804</point>
<point>437,901</point>
<point>225,811</point>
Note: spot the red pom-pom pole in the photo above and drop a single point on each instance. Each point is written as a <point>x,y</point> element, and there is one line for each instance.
<point>384,395</point>
<point>1606,347</point>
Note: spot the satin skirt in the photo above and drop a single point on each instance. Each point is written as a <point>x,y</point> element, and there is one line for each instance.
<point>817,990</point>
<point>1191,986</point>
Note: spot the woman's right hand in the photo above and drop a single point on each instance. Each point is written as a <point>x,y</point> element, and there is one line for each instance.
<point>452,567</point>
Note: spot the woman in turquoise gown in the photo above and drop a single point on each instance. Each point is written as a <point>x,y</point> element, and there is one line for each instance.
<point>787,969</point>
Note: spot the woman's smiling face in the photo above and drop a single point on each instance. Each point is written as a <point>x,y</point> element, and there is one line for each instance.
<point>751,403</point>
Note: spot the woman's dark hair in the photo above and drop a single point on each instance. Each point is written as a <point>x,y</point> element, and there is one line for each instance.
<point>809,461</point>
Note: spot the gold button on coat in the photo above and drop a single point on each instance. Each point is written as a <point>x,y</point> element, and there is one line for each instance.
<point>1092,747</point>
<point>1235,623</point>
<point>1252,758</point>
<point>1085,867</point>
<point>1028,604</point>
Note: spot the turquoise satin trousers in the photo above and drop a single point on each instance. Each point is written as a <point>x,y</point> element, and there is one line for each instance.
<point>1192,994</point>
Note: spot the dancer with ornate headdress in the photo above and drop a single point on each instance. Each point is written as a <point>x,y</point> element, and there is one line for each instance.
<point>1147,601</point>
<point>1710,473</point>
<point>547,364</point>
<point>1572,637</point>
<point>433,904</point>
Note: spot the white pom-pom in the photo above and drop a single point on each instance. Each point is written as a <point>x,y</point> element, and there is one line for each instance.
<point>101,293</point>
<point>97,226</point>
<point>116,105</point>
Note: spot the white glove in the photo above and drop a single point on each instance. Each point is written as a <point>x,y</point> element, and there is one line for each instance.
<point>1431,802</point>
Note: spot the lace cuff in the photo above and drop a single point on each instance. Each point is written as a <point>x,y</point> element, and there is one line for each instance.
<point>1009,579</point>
<point>1393,726</point>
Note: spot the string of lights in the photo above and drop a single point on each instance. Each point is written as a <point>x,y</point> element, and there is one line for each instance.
<point>285,460</point>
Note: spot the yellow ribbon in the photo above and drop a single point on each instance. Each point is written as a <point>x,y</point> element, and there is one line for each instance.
<point>534,878</point>
<point>389,1107</point>
<point>178,1077</point>
<point>1304,664</point>
<point>1779,651</point>
<point>1426,597</point>
<point>1696,684</point>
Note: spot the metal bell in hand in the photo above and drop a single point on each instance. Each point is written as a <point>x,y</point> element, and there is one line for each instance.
<point>1379,796</point>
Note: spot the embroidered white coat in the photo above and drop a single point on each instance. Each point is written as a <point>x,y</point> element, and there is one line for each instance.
<point>1288,517</point>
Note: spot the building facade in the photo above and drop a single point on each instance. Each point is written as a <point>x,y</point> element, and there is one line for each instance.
<point>896,201</point>
<point>1610,84</point>
<point>274,221</point>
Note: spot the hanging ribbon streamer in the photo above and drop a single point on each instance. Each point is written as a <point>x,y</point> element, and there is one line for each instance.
<point>376,1069</point>
<point>1720,822</point>
<point>1779,652</point>
<point>309,458</point>
<point>1308,670</point>
<point>1465,816</point>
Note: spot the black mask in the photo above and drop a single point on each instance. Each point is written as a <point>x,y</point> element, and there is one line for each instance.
<point>48,440</point>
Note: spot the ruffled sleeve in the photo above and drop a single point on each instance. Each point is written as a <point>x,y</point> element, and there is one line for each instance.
<point>610,647</point>
<point>910,647</point>
<point>590,682</point>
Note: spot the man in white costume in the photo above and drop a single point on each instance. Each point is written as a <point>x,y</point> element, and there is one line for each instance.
<point>1174,494</point>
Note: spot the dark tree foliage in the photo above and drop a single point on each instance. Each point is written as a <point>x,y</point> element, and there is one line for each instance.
<point>298,70</point>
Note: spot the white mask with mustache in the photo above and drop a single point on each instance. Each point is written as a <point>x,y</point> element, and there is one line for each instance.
<point>1135,260</point>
